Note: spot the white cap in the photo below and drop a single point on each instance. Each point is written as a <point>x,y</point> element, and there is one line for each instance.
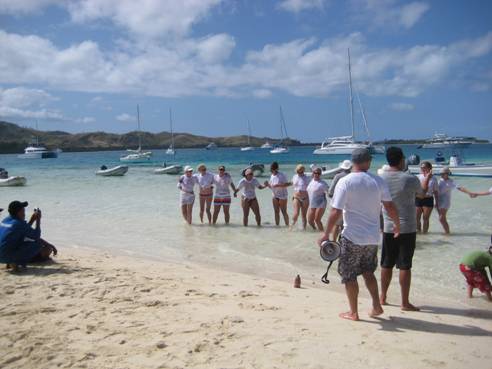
<point>345,165</point>
<point>188,169</point>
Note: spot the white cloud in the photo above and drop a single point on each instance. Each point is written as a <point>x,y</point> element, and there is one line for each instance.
<point>125,118</point>
<point>262,93</point>
<point>400,106</point>
<point>389,13</point>
<point>297,6</point>
<point>16,7</point>
<point>148,18</point>
<point>21,97</point>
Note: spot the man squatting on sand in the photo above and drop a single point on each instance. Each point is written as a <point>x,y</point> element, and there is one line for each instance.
<point>359,196</point>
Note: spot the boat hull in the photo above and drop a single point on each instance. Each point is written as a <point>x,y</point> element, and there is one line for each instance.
<point>172,169</point>
<point>13,181</point>
<point>281,150</point>
<point>341,150</point>
<point>443,146</point>
<point>467,170</point>
<point>118,171</point>
<point>39,155</point>
<point>249,148</point>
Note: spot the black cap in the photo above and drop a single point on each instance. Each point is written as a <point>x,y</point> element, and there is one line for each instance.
<point>360,156</point>
<point>15,206</point>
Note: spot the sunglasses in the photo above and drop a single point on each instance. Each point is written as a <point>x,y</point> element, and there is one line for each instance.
<point>221,169</point>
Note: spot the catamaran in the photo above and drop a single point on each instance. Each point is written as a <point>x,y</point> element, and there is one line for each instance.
<point>249,147</point>
<point>171,150</point>
<point>138,155</point>
<point>281,148</point>
<point>346,144</point>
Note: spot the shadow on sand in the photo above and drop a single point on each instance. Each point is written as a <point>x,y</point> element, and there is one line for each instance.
<point>48,268</point>
<point>402,324</point>
<point>472,313</point>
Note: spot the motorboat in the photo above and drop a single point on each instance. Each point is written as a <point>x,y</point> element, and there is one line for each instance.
<point>117,171</point>
<point>280,148</point>
<point>345,145</point>
<point>258,169</point>
<point>171,150</point>
<point>267,145</point>
<point>38,152</point>
<point>211,146</point>
<point>458,168</point>
<point>138,155</point>
<point>249,147</point>
<point>169,169</point>
<point>443,141</point>
<point>326,173</point>
<point>9,181</point>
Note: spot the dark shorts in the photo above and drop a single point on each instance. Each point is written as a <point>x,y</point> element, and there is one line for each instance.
<point>356,260</point>
<point>398,251</point>
<point>427,202</point>
<point>21,254</point>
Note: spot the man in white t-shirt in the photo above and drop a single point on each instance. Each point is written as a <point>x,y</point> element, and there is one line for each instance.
<point>359,196</point>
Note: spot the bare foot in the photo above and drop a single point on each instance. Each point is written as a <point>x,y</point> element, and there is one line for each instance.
<point>382,300</point>
<point>349,315</point>
<point>376,312</point>
<point>409,307</point>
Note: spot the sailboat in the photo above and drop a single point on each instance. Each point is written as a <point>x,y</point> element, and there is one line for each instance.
<point>281,148</point>
<point>249,147</point>
<point>345,144</point>
<point>37,151</point>
<point>138,155</point>
<point>171,150</point>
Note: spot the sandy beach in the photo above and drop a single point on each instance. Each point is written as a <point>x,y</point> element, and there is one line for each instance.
<point>91,309</point>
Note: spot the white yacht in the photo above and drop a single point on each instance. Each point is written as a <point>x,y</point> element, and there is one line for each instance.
<point>249,147</point>
<point>36,151</point>
<point>138,155</point>
<point>281,148</point>
<point>171,150</point>
<point>211,146</point>
<point>345,144</point>
<point>443,141</point>
<point>267,145</point>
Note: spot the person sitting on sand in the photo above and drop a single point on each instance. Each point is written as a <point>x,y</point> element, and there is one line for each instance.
<point>206,184</point>
<point>473,267</point>
<point>446,185</point>
<point>248,199</point>
<point>359,196</point>
<point>278,184</point>
<point>186,185</point>
<point>431,198</point>
<point>404,188</point>
<point>317,190</point>
<point>300,200</point>
<point>222,196</point>
<point>20,244</point>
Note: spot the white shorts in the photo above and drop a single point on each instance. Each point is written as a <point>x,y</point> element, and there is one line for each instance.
<point>187,198</point>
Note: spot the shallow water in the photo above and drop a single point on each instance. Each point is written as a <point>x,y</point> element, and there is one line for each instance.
<point>139,214</point>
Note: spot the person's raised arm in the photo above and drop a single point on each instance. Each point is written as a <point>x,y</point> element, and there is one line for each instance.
<point>427,178</point>
<point>390,208</point>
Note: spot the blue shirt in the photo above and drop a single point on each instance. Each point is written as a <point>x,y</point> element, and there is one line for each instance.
<point>14,232</point>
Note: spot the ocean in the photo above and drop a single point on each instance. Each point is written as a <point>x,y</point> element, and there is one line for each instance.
<point>139,215</point>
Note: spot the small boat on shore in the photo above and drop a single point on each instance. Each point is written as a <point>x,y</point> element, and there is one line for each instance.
<point>169,169</point>
<point>458,168</point>
<point>258,169</point>
<point>117,171</point>
<point>10,181</point>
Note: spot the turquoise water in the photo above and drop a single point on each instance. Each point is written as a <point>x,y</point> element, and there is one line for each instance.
<point>139,215</point>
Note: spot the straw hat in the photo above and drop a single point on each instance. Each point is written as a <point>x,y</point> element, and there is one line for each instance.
<point>345,165</point>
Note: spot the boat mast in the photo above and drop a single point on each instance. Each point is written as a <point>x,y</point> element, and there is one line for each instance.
<point>283,127</point>
<point>366,127</point>
<point>249,133</point>
<point>172,132</point>
<point>138,127</point>
<point>351,97</point>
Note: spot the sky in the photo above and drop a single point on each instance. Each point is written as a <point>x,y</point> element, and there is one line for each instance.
<point>418,67</point>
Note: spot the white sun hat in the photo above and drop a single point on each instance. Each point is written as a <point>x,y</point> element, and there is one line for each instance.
<point>345,165</point>
<point>188,169</point>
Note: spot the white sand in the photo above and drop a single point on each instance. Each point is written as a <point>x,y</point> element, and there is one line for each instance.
<point>95,310</point>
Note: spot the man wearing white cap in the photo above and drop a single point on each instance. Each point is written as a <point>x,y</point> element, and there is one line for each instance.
<point>186,185</point>
<point>346,166</point>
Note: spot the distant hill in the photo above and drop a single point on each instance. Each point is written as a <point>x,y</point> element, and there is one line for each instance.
<point>13,139</point>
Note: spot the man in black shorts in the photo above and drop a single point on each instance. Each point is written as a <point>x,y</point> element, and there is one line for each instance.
<point>404,188</point>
